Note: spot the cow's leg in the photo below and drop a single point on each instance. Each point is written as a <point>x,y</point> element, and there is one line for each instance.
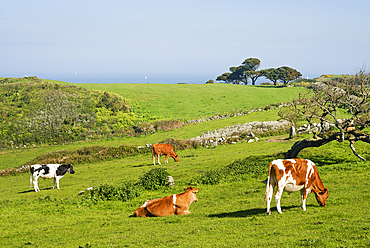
<point>268,196</point>
<point>278,194</point>
<point>166,160</point>
<point>153,156</point>
<point>304,193</point>
<point>35,185</point>
<point>159,162</point>
<point>54,183</point>
<point>56,179</point>
<point>182,212</point>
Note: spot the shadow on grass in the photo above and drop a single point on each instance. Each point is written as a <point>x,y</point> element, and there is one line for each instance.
<point>142,165</point>
<point>246,213</point>
<point>32,190</point>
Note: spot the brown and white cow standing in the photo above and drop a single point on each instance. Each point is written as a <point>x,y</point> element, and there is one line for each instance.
<point>292,175</point>
<point>170,205</point>
<point>164,149</point>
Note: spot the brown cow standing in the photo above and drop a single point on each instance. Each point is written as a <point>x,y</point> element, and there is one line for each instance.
<point>174,204</point>
<point>292,175</point>
<point>163,149</point>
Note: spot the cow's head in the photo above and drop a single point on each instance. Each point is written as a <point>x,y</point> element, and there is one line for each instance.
<point>70,169</point>
<point>176,158</point>
<point>193,192</point>
<point>321,196</point>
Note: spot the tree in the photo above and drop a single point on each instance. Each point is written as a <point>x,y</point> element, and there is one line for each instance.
<point>252,63</point>
<point>241,74</point>
<point>210,81</point>
<point>224,77</point>
<point>235,77</point>
<point>352,94</point>
<point>287,74</point>
<point>249,69</point>
<point>271,74</point>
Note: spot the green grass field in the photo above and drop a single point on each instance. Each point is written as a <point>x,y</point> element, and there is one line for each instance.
<point>191,101</point>
<point>229,214</point>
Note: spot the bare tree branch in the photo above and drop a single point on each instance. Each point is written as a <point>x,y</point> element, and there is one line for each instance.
<point>327,102</point>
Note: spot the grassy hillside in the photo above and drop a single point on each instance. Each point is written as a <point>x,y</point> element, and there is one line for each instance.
<point>191,101</point>
<point>35,112</point>
<point>228,214</point>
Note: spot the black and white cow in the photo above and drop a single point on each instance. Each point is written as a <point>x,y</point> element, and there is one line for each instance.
<point>56,171</point>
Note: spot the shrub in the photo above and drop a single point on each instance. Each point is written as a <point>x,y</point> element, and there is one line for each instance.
<point>88,155</point>
<point>251,166</point>
<point>182,144</point>
<point>112,193</point>
<point>154,179</point>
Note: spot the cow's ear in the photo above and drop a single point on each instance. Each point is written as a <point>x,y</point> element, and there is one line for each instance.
<point>196,190</point>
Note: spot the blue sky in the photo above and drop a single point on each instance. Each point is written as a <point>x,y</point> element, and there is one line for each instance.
<point>174,41</point>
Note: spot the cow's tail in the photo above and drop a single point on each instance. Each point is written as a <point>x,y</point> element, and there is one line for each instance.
<point>268,183</point>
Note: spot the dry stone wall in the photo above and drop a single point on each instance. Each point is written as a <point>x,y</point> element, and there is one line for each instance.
<point>222,135</point>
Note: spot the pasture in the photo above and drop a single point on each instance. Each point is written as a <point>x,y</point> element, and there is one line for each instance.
<point>192,101</point>
<point>229,214</point>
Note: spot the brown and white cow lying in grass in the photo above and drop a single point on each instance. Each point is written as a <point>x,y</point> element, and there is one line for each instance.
<point>170,205</point>
<point>292,175</point>
<point>164,149</point>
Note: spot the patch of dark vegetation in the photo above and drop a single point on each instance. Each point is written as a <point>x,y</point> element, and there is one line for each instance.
<point>107,192</point>
<point>182,144</point>
<point>89,155</point>
<point>152,180</point>
<point>253,166</point>
<point>141,128</point>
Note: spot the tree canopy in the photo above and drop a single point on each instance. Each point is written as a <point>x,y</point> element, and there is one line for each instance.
<point>248,70</point>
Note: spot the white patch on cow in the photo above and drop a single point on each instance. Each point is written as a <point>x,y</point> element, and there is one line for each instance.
<point>280,164</point>
<point>310,170</point>
<point>145,203</point>
<point>174,201</point>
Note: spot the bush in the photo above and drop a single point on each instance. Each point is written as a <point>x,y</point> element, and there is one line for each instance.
<point>112,193</point>
<point>182,144</point>
<point>88,155</point>
<point>251,166</point>
<point>154,179</point>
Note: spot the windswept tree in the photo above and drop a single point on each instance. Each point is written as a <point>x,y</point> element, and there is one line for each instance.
<point>224,77</point>
<point>287,74</point>
<point>250,67</point>
<point>252,63</point>
<point>235,77</point>
<point>241,74</point>
<point>324,103</point>
<point>271,74</point>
